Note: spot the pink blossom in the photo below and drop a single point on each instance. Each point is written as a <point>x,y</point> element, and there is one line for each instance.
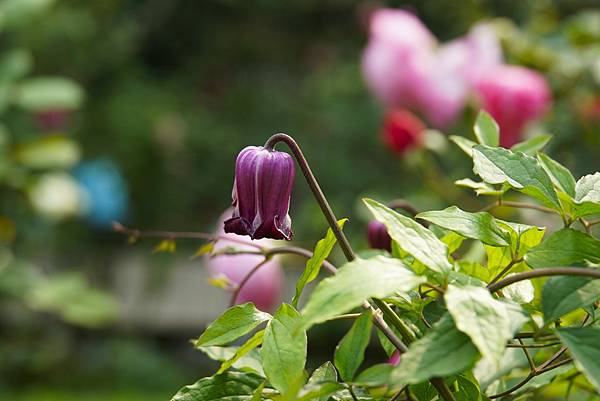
<point>393,59</point>
<point>403,66</point>
<point>264,288</point>
<point>514,96</point>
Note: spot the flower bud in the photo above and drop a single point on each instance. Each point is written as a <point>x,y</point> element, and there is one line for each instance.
<point>378,236</point>
<point>514,96</point>
<point>261,194</point>
<point>395,358</point>
<point>402,130</point>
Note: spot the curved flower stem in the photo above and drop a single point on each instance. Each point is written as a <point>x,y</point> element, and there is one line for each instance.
<point>438,383</point>
<point>315,188</point>
<point>246,278</point>
<point>551,271</point>
<point>134,232</point>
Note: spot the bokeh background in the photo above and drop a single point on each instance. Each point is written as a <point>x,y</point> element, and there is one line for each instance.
<point>135,111</point>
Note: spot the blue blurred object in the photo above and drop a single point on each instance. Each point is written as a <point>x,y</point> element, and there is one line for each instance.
<point>105,192</point>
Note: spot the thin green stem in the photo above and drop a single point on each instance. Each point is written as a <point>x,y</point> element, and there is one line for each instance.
<point>544,272</point>
<point>315,188</point>
<point>505,270</point>
<point>394,319</point>
<point>519,205</point>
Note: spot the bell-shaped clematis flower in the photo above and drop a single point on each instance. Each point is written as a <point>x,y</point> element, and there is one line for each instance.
<point>514,96</point>
<point>261,194</point>
<point>378,236</point>
<point>402,130</point>
<point>264,289</point>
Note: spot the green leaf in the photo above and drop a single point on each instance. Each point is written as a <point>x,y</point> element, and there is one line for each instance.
<point>324,373</point>
<point>356,282</point>
<point>166,245</point>
<point>466,145</point>
<point>257,395</point>
<point>231,325</point>
<point>489,323</point>
<point>204,249</point>
<point>443,351</point>
<point>584,346</point>
<point>521,172</point>
<point>480,225</point>
<point>284,349</point>
<point>313,265</point>
<point>587,196</point>
<point>248,346</point>
<point>533,145</point>
<point>374,376</point>
<point>486,130</point>
<point>467,388</point>
<point>562,295</point>
<point>250,361</point>
<point>564,248</point>
<point>350,352</point>
<point>230,386</point>
<point>38,94</point>
<point>560,175</point>
<point>320,391</point>
<point>480,188</point>
<point>412,237</point>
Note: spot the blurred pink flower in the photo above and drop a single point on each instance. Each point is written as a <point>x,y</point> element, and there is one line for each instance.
<point>403,66</point>
<point>514,96</point>
<point>264,288</point>
<point>393,58</point>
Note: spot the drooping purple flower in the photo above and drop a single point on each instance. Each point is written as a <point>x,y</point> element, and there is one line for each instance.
<point>378,236</point>
<point>261,194</point>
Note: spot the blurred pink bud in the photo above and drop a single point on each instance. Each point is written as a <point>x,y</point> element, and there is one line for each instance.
<point>378,236</point>
<point>514,96</point>
<point>264,288</point>
<point>394,359</point>
<point>402,130</point>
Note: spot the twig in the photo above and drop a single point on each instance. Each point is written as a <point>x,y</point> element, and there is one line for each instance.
<point>544,272</point>
<point>532,345</point>
<point>527,355</point>
<point>134,232</point>
<point>514,388</point>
